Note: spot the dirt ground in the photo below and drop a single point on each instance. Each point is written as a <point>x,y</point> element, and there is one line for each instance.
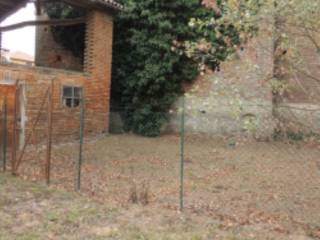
<point>254,190</point>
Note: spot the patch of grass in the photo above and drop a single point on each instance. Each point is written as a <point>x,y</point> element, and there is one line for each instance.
<point>73,216</point>
<point>53,216</point>
<point>296,136</point>
<point>5,201</point>
<point>2,179</point>
<point>196,237</point>
<point>29,236</point>
<point>41,193</point>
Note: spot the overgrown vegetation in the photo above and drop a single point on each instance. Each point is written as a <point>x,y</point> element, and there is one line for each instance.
<point>151,61</point>
<point>159,46</point>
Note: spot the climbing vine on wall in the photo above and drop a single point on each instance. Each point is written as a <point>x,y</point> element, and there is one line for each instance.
<point>154,46</point>
<point>151,63</point>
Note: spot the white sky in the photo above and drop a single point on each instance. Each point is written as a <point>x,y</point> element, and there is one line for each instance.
<point>22,39</point>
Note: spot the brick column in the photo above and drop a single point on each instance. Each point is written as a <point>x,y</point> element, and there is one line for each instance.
<point>98,61</point>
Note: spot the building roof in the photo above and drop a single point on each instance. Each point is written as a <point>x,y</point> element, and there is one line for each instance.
<point>8,7</point>
<point>22,56</point>
<point>110,3</point>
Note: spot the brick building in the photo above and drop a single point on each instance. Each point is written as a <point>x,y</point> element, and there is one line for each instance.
<point>70,78</point>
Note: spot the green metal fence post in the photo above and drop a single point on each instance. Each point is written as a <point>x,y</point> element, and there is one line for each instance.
<point>79,164</point>
<point>182,142</point>
<point>4,136</point>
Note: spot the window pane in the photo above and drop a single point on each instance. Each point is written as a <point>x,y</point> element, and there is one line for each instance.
<point>72,96</point>
<point>67,92</point>
<point>68,102</point>
<point>76,102</point>
<point>77,92</point>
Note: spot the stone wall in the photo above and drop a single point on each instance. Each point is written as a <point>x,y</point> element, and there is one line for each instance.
<point>302,64</point>
<point>237,98</point>
<point>300,109</point>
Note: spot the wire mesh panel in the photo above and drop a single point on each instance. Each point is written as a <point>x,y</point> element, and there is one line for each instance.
<point>237,170</point>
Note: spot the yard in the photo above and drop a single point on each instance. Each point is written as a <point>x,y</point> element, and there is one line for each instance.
<point>252,190</point>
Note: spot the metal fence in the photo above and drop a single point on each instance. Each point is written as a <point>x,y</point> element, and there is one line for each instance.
<point>237,177</point>
<point>31,156</point>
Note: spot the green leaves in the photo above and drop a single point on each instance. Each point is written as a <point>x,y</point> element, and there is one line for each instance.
<point>148,75</point>
<point>156,49</point>
<point>153,59</point>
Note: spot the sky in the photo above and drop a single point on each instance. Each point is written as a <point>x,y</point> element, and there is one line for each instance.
<point>22,39</point>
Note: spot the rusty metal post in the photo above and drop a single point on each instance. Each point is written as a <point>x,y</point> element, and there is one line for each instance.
<point>49,134</point>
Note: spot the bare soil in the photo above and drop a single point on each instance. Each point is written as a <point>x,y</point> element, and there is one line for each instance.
<point>253,190</point>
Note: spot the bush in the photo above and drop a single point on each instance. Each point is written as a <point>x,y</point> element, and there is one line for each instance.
<point>150,64</point>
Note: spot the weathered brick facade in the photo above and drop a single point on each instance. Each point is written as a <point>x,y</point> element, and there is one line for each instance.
<point>51,54</point>
<point>95,82</point>
<point>98,61</point>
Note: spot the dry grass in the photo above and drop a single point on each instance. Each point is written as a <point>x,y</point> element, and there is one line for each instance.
<point>260,190</point>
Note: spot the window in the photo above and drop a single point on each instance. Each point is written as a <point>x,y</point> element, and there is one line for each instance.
<point>71,96</point>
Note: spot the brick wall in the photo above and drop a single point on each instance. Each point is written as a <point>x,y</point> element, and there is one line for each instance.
<point>95,81</point>
<point>33,85</point>
<point>51,54</point>
<point>98,61</point>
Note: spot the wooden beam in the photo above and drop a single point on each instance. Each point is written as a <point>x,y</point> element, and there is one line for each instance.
<point>51,22</point>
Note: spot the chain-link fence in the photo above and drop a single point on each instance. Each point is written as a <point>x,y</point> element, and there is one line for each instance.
<point>26,149</point>
<point>238,176</point>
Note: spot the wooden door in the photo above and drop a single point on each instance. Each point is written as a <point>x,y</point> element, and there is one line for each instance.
<point>9,92</point>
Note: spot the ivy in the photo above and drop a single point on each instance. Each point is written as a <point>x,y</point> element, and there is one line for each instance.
<point>151,62</point>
